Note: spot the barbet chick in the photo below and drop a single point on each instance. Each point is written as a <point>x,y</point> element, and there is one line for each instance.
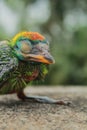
<point>23,59</point>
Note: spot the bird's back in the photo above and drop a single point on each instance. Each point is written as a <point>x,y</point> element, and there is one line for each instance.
<point>8,62</point>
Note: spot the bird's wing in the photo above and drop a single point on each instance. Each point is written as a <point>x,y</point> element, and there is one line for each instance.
<point>8,62</point>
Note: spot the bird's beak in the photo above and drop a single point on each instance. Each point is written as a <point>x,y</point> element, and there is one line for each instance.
<point>48,59</point>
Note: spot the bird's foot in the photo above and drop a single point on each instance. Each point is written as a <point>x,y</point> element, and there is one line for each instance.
<point>47,100</point>
<point>42,99</point>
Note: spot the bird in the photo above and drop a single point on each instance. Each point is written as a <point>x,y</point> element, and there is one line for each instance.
<point>24,59</point>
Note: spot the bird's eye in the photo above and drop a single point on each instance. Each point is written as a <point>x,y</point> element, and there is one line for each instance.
<point>26,46</point>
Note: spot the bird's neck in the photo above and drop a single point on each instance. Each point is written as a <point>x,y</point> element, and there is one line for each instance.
<point>28,71</point>
<point>32,71</point>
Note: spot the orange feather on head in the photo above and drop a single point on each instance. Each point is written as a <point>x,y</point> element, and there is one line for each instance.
<point>33,36</point>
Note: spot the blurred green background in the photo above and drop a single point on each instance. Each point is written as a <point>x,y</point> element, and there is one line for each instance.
<point>63,23</point>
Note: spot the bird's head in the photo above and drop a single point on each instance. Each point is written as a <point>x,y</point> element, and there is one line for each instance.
<point>31,46</point>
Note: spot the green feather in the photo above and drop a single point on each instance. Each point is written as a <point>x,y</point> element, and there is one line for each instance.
<point>16,81</point>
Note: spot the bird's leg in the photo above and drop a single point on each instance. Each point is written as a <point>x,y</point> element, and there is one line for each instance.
<point>41,99</point>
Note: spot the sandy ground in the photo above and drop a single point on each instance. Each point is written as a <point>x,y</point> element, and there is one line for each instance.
<point>18,115</point>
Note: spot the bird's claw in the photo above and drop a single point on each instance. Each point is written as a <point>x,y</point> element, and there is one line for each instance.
<point>61,102</point>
